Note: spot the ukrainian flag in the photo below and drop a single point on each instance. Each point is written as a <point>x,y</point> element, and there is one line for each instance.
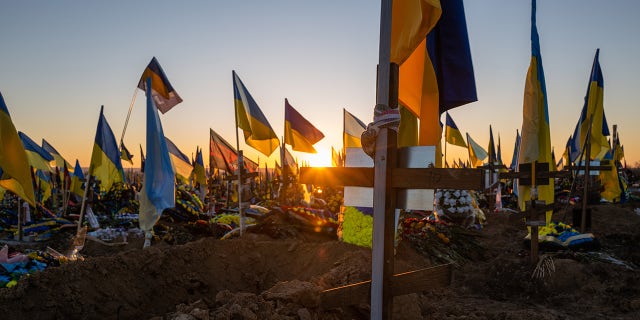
<point>38,157</point>
<point>105,158</point>
<point>77,180</point>
<point>594,109</point>
<point>298,131</point>
<point>353,129</point>
<point>536,137</point>
<point>158,186</point>
<point>476,153</point>
<point>257,130</point>
<point>452,134</point>
<point>198,169</point>
<point>163,93</point>
<point>15,174</point>
<point>43,181</point>
<point>60,161</point>
<point>125,154</point>
<point>180,162</point>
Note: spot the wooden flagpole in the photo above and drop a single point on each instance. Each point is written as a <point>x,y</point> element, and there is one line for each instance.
<point>381,299</point>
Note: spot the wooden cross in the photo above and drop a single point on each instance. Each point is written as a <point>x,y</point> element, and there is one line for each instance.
<point>387,179</point>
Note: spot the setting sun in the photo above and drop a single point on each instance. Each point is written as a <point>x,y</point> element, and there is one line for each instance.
<point>320,159</point>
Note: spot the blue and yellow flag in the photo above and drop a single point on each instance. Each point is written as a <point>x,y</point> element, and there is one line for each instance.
<point>491,150</point>
<point>536,137</point>
<point>476,153</point>
<point>60,161</point>
<point>198,169</point>
<point>105,158</point>
<point>438,74</point>
<point>516,152</point>
<point>164,96</point>
<point>125,154</point>
<point>158,182</point>
<point>593,111</point>
<point>298,131</point>
<point>38,157</point>
<point>15,173</point>
<point>257,130</point>
<point>77,180</point>
<point>43,181</point>
<point>452,134</point>
<point>352,130</point>
<point>181,163</point>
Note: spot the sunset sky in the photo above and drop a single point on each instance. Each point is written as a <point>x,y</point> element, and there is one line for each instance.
<point>61,60</point>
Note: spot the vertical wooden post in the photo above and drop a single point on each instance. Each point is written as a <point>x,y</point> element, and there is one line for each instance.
<point>383,195</point>
<point>384,203</point>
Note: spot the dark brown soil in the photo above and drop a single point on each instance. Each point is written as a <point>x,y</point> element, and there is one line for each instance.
<point>258,277</point>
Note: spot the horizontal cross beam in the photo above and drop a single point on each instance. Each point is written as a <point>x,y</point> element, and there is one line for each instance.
<point>402,178</point>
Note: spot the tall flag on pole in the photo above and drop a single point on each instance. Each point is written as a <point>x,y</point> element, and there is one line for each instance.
<point>257,130</point>
<point>222,155</point>
<point>15,174</point>
<point>105,158</point>
<point>536,138</point>
<point>452,134</point>
<point>181,163</point>
<point>158,186</point>
<point>476,153</point>
<point>38,157</point>
<point>499,152</point>
<point>352,130</point>
<point>60,161</point>
<point>164,96</point>
<point>298,131</point>
<point>593,110</point>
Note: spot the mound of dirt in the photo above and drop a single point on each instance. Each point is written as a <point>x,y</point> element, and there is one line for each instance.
<point>259,277</point>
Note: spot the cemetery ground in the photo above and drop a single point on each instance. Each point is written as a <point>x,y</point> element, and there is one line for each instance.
<point>281,275</point>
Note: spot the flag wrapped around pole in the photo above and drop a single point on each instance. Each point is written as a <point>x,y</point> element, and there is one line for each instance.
<point>106,165</point>
<point>158,186</point>
<point>298,131</point>
<point>15,174</point>
<point>125,154</point>
<point>516,152</point>
<point>257,130</point>
<point>77,180</point>
<point>536,138</point>
<point>594,109</point>
<point>164,96</point>
<point>492,148</point>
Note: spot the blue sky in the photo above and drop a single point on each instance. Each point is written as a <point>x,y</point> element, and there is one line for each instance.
<point>61,60</point>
